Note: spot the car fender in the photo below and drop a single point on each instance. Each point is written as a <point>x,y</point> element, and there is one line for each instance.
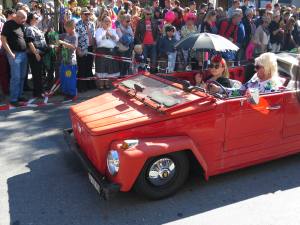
<point>133,159</point>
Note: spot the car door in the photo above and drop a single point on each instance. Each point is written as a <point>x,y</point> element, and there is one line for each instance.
<point>252,128</point>
<point>291,125</point>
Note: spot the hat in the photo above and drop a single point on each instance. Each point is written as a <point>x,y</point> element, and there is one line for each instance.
<point>237,12</point>
<point>34,1</point>
<point>85,10</point>
<point>218,59</point>
<point>170,16</point>
<point>192,3</point>
<point>190,16</point>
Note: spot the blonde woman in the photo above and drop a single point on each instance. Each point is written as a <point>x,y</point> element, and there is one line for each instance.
<point>105,12</point>
<point>121,14</point>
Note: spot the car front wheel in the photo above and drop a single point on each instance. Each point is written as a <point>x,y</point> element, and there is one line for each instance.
<point>162,176</point>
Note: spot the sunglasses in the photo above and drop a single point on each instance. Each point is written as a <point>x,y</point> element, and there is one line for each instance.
<point>214,66</point>
<point>257,67</point>
<point>148,14</point>
<point>128,21</point>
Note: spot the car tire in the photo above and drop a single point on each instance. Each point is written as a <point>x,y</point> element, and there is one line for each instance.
<point>160,187</point>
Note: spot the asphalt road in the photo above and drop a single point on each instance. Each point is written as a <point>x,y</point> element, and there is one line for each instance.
<point>42,183</point>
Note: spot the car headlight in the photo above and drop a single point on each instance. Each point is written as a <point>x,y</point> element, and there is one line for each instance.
<point>113,162</point>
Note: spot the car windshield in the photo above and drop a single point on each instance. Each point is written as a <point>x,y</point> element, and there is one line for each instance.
<point>159,92</point>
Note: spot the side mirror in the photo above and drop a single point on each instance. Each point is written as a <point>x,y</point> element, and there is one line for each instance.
<point>253,96</point>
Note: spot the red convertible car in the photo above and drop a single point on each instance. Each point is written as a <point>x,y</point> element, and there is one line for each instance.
<point>145,134</point>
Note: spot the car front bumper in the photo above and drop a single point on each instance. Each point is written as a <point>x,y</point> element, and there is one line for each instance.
<point>105,188</point>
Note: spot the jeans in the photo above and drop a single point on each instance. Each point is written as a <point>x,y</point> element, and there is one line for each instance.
<point>171,61</point>
<point>18,67</point>
<point>151,49</point>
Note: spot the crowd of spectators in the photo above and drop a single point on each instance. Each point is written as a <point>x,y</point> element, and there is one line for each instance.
<point>128,29</point>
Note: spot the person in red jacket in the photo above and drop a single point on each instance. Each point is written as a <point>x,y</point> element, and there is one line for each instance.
<point>229,27</point>
<point>147,34</point>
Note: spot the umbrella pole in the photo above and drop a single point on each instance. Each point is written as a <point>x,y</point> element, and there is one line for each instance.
<point>203,59</point>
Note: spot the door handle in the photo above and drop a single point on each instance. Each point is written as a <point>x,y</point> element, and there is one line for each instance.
<point>275,107</point>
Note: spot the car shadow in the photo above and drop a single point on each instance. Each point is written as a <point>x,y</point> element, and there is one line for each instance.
<point>56,191</point>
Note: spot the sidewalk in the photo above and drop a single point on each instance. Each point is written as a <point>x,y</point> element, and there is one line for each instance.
<point>56,99</point>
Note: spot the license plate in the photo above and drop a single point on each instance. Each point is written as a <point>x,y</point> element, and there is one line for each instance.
<point>95,183</point>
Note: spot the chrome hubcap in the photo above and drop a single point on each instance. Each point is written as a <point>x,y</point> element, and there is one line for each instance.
<point>161,172</point>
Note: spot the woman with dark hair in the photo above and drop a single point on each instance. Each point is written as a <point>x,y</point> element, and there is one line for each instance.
<point>209,23</point>
<point>178,22</point>
<point>37,45</point>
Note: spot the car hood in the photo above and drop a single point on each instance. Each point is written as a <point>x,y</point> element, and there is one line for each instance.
<point>111,112</point>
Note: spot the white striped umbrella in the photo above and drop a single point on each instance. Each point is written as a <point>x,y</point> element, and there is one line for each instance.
<point>205,42</point>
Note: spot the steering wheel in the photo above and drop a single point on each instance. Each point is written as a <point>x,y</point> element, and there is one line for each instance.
<point>219,85</point>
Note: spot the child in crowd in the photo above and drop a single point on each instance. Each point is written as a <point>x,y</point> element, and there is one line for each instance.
<point>139,60</point>
<point>68,67</point>
<point>167,47</point>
